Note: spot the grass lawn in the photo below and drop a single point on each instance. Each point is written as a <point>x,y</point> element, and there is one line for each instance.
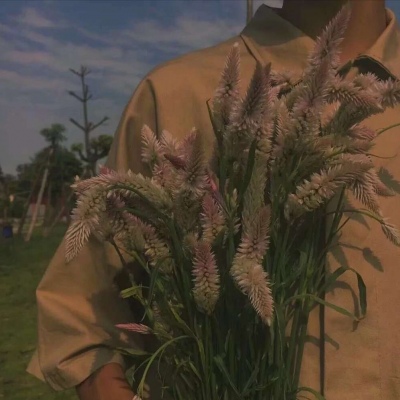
<point>21,269</point>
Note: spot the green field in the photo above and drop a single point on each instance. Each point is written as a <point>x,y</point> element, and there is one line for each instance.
<point>21,268</point>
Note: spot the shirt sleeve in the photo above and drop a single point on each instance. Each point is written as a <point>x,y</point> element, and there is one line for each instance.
<point>78,303</point>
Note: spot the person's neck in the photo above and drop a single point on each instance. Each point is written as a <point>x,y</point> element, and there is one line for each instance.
<point>367,22</point>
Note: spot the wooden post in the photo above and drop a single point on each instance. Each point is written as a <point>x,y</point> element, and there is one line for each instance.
<point>60,214</point>
<point>48,211</point>
<point>39,199</point>
<point>28,201</point>
<point>249,10</point>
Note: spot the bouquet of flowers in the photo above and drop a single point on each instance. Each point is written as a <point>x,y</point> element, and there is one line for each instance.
<point>234,246</point>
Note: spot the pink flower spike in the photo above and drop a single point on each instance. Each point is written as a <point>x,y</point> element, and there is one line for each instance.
<point>213,184</point>
<point>176,161</point>
<point>103,170</point>
<point>206,278</point>
<point>137,328</point>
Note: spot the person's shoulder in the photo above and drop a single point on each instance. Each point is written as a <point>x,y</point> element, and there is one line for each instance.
<point>202,67</point>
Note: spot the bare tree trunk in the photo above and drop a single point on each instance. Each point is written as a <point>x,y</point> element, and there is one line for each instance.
<point>249,10</point>
<point>92,168</point>
<point>39,199</point>
<point>87,127</point>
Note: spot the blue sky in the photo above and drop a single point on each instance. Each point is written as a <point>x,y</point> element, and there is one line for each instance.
<point>119,40</point>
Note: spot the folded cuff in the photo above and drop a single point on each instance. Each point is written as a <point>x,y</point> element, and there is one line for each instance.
<point>74,371</point>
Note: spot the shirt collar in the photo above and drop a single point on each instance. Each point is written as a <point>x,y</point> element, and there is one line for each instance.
<point>271,38</point>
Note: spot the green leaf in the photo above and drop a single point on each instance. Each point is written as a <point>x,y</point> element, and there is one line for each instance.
<point>228,336</point>
<point>323,302</point>
<point>249,168</point>
<point>181,323</point>
<point>222,175</point>
<point>151,359</point>
<point>219,240</point>
<point>217,131</point>
<point>340,310</point>
<point>332,278</point>
<point>221,366</point>
<point>138,213</point>
<point>362,289</point>
<point>155,208</point>
<point>317,395</point>
<point>180,374</point>
<point>177,392</point>
<point>134,291</point>
<point>251,380</point>
<point>194,369</point>
<point>202,355</point>
<point>133,352</point>
<point>280,335</point>
<point>153,279</point>
<point>187,382</point>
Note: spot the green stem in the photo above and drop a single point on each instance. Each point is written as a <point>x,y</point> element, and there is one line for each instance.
<point>278,361</point>
<point>211,347</point>
<point>279,334</point>
<point>208,358</point>
<point>150,361</point>
<point>365,212</point>
<point>293,343</point>
<point>301,343</point>
<point>387,128</point>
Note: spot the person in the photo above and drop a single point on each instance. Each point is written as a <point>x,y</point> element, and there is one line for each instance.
<point>78,303</point>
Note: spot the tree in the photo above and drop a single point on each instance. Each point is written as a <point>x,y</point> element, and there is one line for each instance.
<point>26,187</point>
<point>93,149</point>
<point>39,196</point>
<point>4,195</point>
<point>54,135</point>
<point>1,180</point>
<point>7,195</point>
<point>99,145</point>
<point>62,169</point>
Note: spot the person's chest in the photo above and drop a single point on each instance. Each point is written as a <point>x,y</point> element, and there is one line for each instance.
<point>363,358</point>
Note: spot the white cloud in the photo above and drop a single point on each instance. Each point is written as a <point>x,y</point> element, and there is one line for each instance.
<point>6,29</point>
<point>19,83</point>
<point>31,17</point>
<point>32,35</point>
<point>32,57</point>
<point>185,33</point>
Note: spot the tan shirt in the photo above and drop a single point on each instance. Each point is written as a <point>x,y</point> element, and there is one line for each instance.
<point>78,304</point>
